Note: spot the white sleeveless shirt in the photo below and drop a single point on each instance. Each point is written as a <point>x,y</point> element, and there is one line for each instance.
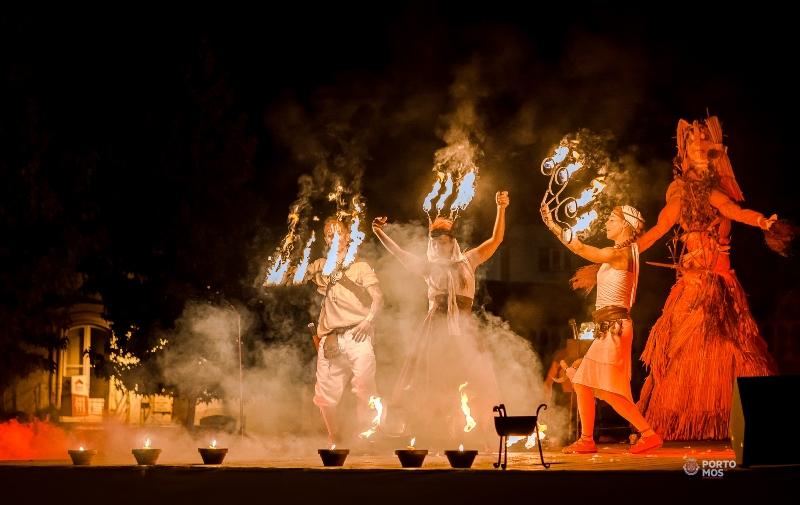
<point>617,287</point>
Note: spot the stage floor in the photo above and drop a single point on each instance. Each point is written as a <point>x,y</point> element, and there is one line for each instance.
<point>610,457</point>
<point>611,475</point>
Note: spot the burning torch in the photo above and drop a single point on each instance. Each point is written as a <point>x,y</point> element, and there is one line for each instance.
<point>560,167</point>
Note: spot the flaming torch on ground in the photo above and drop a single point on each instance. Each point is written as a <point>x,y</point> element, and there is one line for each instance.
<point>470,422</point>
<point>456,173</point>
<point>375,404</point>
<point>565,161</point>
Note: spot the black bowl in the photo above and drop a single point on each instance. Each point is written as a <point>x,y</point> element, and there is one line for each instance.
<point>212,456</point>
<point>515,425</point>
<point>83,457</point>
<point>411,458</point>
<point>146,456</point>
<point>461,459</point>
<point>333,457</point>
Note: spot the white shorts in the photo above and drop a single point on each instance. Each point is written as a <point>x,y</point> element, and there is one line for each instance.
<point>356,360</point>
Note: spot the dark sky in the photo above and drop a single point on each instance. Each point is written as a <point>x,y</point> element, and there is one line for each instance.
<point>129,103</point>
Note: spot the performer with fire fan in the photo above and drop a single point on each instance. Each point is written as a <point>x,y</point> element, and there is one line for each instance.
<point>605,370</point>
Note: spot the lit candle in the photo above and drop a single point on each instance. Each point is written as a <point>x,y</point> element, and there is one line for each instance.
<point>411,444</point>
<point>213,444</point>
<point>460,447</point>
<point>146,443</point>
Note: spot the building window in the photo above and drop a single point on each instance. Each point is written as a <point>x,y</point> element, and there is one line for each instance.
<point>552,260</point>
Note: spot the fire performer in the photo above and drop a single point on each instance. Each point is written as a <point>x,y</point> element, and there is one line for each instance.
<point>352,299</point>
<point>706,336</point>
<point>446,353</point>
<point>605,370</point>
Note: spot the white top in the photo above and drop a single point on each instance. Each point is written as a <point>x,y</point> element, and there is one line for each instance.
<point>341,308</point>
<point>613,287</point>
<point>618,287</point>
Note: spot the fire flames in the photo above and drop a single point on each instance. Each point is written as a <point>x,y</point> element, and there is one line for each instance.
<point>375,404</point>
<point>530,440</point>
<point>470,422</point>
<point>456,170</point>
<point>555,200</point>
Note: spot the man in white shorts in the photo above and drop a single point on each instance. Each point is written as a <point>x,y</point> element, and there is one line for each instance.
<point>351,301</point>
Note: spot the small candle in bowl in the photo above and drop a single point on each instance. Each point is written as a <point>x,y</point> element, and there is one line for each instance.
<point>212,455</point>
<point>461,458</point>
<point>82,456</point>
<point>333,456</point>
<point>411,457</point>
<point>146,455</point>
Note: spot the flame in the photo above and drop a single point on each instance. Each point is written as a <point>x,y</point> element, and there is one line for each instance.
<point>146,443</point>
<point>300,274</point>
<point>565,173</point>
<point>460,447</point>
<point>470,422</point>
<point>448,190</point>
<point>437,186</point>
<point>411,444</point>
<point>356,237</point>
<point>560,154</point>
<point>466,191</point>
<point>333,446</point>
<point>81,448</point>
<point>584,221</point>
<point>278,271</point>
<point>333,254</point>
<point>530,440</point>
<point>375,404</point>
<point>281,261</point>
<point>336,194</point>
<point>587,196</point>
<point>213,444</point>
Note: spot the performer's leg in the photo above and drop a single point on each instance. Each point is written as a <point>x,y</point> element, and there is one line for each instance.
<point>331,376</point>
<point>585,444</point>
<point>585,409</point>
<point>627,409</point>
<point>361,358</point>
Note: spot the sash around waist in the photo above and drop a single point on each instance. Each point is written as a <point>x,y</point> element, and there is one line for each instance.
<point>440,303</point>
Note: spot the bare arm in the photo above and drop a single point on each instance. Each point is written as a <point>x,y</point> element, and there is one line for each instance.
<point>485,251</point>
<point>616,257</point>
<point>666,219</point>
<point>409,261</point>
<point>731,210</point>
<point>364,328</point>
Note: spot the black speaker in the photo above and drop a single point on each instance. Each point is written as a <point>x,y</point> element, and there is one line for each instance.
<point>762,424</point>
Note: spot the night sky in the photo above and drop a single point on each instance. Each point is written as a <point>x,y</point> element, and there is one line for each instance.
<point>169,146</point>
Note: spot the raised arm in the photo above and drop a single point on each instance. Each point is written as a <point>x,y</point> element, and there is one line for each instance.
<point>409,261</point>
<point>585,251</point>
<point>485,251</point>
<point>731,210</point>
<point>666,218</point>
